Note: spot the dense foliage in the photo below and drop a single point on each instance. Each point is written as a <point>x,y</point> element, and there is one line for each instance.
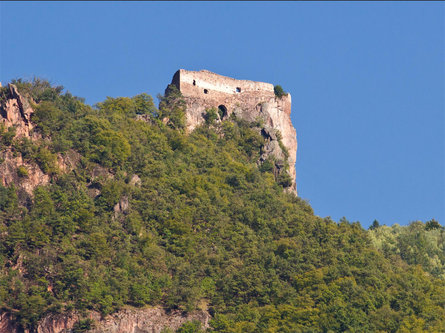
<point>204,228</point>
<point>417,244</point>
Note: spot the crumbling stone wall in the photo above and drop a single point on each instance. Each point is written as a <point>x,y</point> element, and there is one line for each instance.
<point>248,100</point>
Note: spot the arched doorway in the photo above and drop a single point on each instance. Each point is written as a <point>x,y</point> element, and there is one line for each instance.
<point>222,111</point>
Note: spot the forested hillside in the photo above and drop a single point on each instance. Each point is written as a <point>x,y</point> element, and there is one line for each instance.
<point>417,244</point>
<point>151,215</point>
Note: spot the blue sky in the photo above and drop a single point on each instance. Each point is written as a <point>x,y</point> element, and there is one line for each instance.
<point>367,81</point>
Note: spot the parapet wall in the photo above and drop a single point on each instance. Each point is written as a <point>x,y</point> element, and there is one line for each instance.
<point>193,84</point>
<point>249,100</point>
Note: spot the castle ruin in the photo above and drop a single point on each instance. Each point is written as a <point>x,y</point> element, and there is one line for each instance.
<point>248,100</point>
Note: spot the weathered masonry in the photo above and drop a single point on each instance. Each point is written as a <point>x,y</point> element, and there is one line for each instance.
<point>248,100</point>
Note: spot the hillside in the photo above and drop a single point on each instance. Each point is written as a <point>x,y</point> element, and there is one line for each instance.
<point>116,208</point>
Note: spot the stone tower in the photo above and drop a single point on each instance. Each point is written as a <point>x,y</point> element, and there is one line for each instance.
<point>248,100</point>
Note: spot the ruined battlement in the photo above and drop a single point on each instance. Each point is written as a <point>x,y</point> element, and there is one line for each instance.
<point>196,83</point>
<point>249,100</point>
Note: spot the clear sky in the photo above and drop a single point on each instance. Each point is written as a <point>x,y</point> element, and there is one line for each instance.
<point>367,81</point>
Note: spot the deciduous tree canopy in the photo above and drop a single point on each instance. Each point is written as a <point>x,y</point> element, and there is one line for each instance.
<point>204,228</point>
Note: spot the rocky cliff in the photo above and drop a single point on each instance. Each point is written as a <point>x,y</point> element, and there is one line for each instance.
<point>15,121</point>
<point>16,111</point>
<point>249,100</point>
<point>129,320</point>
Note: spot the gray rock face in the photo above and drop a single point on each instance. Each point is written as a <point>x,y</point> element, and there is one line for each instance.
<point>248,100</point>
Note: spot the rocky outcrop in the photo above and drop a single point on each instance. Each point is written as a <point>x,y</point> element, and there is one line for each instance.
<point>68,161</point>
<point>23,175</point>
<point>7,325</point>
<point>245,99</point>
<point>131,320</point>
<point>61,323</point>
<point>152,320</point>
<point>135,180</point>
<point>16,110</point>
<point>122,206</point>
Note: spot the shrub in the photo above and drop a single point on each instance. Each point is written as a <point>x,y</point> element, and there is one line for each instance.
<point>279,92</point>
<point>46,161</point>
<point>266,166</point>
<point>83,325</point>
<point>172,106</point>
<point>210,116</point>
<point>6,135</point>
<point>22,172</point>
<point>284,179</point>
<point>190,327</point>
<point>432,224</point>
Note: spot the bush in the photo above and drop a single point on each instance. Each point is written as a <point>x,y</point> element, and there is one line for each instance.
<point>190,327</point>
<point>46,161</point>
<point>172,107</point>
<point>267,166</point>
<point>6,135</point>
<point>284,179</point>
<point>22,172</point>
<point>432,224</point>
<point>83,325</point>
<point>210,116</point>
<point>279,92</point>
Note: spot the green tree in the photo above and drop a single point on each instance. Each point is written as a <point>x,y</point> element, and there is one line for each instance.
<point>191,327</point>
<point>375,224</point>
<point>206,227</point>
<point>211,116</point>
<point>172,108</point>
<point>432,224</point>
<point>279,92</point>
<point>7,135</point>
